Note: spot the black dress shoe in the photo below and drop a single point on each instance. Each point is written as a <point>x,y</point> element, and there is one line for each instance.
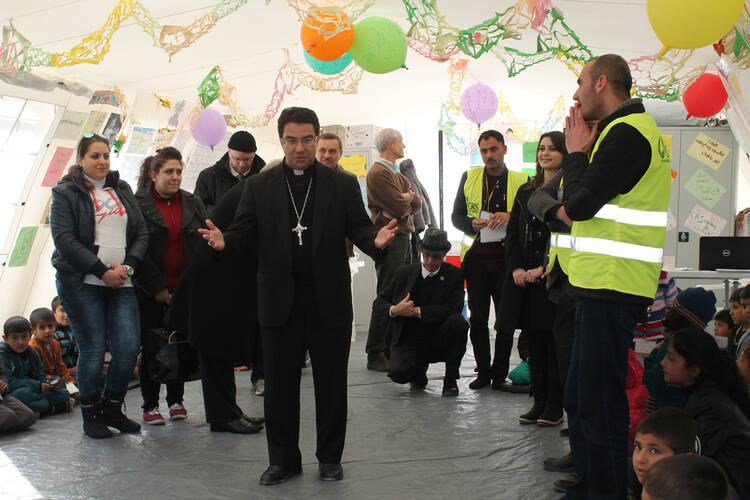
<point>563,464</point>
<point>569,481</point>
<point>450,388</point>
<point>331,472</point>
<point>238,426</point>
<point>276,474</point>
<point>254,420</point>
<point>480,381</point>
<point>419,384</point>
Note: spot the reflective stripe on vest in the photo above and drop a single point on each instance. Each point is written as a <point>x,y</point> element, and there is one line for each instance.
<point>621,248</point>
<point>473,195</point>
<point>559,250</point>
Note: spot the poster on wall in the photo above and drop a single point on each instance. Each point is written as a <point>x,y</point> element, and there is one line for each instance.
<point>705,188</point>
<point>95,123</point>
<point>20,255</point>
<point>140,140</point>
<point>70,125</point>
<point>704,222</point>
<point>709,151</point>
<point>57,166</point>
<point>112,127</point>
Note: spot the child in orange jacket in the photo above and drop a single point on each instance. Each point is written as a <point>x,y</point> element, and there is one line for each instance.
<point>43,341</point>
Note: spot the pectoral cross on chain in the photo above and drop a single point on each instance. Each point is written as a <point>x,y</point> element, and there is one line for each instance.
<point>298,229</point>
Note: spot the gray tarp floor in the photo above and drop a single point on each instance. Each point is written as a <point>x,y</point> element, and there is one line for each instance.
<point>399,445</point>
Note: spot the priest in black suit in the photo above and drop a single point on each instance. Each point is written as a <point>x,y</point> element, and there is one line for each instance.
<point>424,303</point>
<point>299,215</point>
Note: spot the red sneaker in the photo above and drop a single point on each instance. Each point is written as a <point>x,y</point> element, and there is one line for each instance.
<point>153,417</point>
<point>177,412</point>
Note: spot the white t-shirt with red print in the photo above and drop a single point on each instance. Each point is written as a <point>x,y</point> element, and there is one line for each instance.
<point>110,223</point>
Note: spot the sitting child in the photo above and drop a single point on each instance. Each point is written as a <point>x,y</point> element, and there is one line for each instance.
<point>64,335</point>
<point>44,343</point>
<point>25,372</point>
<point>743,365</point>
<point>666,432</point>
<point>742,336</point>
<point>14,415</point>
<point>716,399</point>
<point>685,477</point>
<point>693,307</point>
<point>723,326</point>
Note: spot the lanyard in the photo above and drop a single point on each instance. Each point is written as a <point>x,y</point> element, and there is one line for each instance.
<point>487,190</point>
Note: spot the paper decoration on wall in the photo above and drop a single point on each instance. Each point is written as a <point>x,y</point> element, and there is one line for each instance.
<point>708,151</point>
<point>104,97</point>
<point>201,158</point>
<point>529,152</point>
<point>671,221</point>
<point>112,127</point>
<point>356,164</point>
<point>70,125</point>
<point>22,249</point>
<point>163,137</point>
<point>57,166</point>
<point>140,140</point>
<point>704,222</point>
<point>209,88</point>
<point>705,188</point>
<point>119,142</point>
<point>164,102</point>
<point>95,123</point>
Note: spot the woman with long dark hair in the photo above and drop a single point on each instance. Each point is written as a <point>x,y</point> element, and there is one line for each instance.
<point>716,398</point>
<point>525,304</point>
<point>100,239</point>
<point>172,217</point>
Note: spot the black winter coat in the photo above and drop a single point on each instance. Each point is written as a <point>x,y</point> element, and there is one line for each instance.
<point>526,246</point>
<point>213,182</point>
<point>72,226</point>
<point>724,432</point>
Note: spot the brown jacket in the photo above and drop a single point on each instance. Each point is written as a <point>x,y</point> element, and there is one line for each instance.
<point>386,198</point>
<point>51,359</point>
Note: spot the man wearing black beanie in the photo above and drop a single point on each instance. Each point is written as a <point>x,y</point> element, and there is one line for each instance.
<point>239,161</point>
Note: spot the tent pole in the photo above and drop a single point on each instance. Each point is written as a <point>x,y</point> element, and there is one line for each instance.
<point>440,175</point>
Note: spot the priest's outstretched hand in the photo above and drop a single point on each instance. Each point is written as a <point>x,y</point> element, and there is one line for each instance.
<point>213,236</point>
<point>382,239</point>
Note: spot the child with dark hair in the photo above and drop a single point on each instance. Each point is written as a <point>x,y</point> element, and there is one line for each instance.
<point>43,341</point>
<point>14,415</point>
<point>742,338</point>
<point>717,399</point>
<point>666,432</point>
<point>64,336</point>
<point>723,326</point>
<point>740,324</point>
<point>25,372</point>
<point>685,477</point>
<point>693,307</point>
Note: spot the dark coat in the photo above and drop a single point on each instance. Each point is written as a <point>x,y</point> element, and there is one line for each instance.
<point>724,432</point>
<point>447,300</point>
<point>72,226</point>
<point>15,374</point>
<point>263,218</point>
<point>214,181</point>
<point>425,217</point>
<point>526,246</point>
<point>215,302</point>
<point>149,279</point>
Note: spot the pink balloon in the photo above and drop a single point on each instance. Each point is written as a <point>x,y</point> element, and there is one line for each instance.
<point>479,103</point>
<point>209,128</point>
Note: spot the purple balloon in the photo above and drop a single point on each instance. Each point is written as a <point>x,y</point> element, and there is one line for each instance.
<point>479,103</point>
<point>209,128</point>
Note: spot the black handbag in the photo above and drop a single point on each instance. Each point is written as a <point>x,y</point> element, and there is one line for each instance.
<point>175,360</point>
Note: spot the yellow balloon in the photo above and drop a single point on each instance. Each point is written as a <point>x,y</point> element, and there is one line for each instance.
<point>690,24</point>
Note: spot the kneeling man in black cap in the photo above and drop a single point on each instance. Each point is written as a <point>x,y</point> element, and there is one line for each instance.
<point>424,303</point>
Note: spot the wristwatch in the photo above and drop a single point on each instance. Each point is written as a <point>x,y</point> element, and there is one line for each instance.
<point>129,270</point>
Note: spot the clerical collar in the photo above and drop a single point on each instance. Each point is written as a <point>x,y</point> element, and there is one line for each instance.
<point>426,273</point>
<point>293,172</point>
<point>387,163</point>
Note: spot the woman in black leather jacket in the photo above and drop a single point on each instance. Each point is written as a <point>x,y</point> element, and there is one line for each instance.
<point>100,238</point>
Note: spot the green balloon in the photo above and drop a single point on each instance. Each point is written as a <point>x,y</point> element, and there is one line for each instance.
<point>379,45</point>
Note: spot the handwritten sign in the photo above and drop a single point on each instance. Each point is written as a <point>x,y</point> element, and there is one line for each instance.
<point>705,188</point>
<point>355,164</point>
<point>95,122</point>
<point>70,125</point>
<point>24,242</point>
<point>57,166</point>
<point>708,151</point>
<point>704,222</point>
<point>140,140</point>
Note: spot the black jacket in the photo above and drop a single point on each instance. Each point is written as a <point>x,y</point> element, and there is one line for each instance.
<point>724,432</point>
<point>621,161</point>
<point>150,275</point>
<point>263,218</point>
<point>72,226</point>
<point>213,182</point>
<point>447,299</point>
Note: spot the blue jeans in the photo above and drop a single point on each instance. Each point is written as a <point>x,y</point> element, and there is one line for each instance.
<point>598,416</point>
<point>98,315</point>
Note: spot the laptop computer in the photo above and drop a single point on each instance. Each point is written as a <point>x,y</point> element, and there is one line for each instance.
<point>723,252</point>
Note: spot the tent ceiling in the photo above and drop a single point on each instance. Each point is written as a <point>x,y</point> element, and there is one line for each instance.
<point>247,45</point>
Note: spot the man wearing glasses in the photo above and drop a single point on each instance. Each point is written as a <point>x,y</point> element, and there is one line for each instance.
<point>298,215</point>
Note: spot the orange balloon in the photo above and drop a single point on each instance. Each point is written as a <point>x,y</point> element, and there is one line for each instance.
<point>316,39</point>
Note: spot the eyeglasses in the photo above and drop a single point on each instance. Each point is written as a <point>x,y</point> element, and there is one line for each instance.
<point>292,141</point>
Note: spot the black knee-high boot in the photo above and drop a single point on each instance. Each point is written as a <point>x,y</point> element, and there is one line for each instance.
<point>93,421</point>
<point>113,415</point>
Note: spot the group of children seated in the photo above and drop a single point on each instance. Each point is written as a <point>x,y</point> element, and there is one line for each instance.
<point>37,367</point>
